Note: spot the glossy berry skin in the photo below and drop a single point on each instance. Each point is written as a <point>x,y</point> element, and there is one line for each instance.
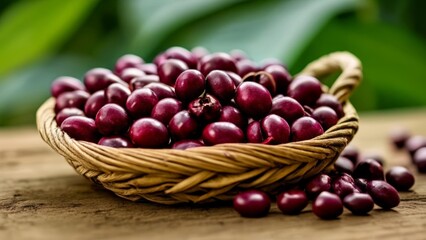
<point>253,99</point>
<point>99,79</point>
<point>254,132</point>
<point>383,194</point>
<point>361,183</point>
<point>245,66</point>
<point>287,108</point>
<point>419,159</point>
<point>326,116</point>
<point>275,129</point>
<point>414,143</point>
<point>305,128</point>
<point>220,85</point>
<point>205,109</point>
<point>148,68</point>
<point>264,79</point>
<point>318,184</point>
<point>233,115</point>
<point>169,70</point>
<point>345,165</point>
<point>65,84</point>
<point>112,119</point>
<point>117,93</point>
<point>94,103</point>
<point>66,113</point>
<point>341,187</point>
<point>149,133</point>
<point>74,99</point>
<point>217,61</point>
<point>369,169</point>
<point>181,54</point>
<point>305,89</point>
<point>400,178</point>
<point>127,61</point>
<point>327,206</point>
<point>292,202</point>
<point>281,76</point>
<point>252,204</point>
<point>116,142</point>
<point>358,203</point>
<point>185,144</point>
<point>222,132</point>
<point>236,79</point>
<point>142,81</point>
<point>81,128</point>
<point>332,102</point>
<point>129,73</point>
<point>189,85</point>
<point>141,102</point>
<point>165,109</point>
<point>161,90</point>
<point>183,126</point>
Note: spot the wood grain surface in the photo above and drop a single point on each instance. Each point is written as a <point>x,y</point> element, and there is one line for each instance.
<point>41,197</point>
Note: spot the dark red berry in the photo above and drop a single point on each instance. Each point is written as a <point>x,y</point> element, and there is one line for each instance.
<point>331,101</point>
<point>414,143</point>
<point>305,89</point>
<point>292,202</point>
<point>287,108</point>
<point>252,204</point>
<point>81,128</point>
<point>127,61</point>
<point>117,93</point>
<point>99,79</point>
<point>112,119</point>
<point>275,129</point>
<point>318,184</point>
<point>326,116</point>
<point>305,128</point>
<point>142,81</point>
<point>185,144</point>
<point>399,136</point>
<point>383,194</point>
<point>358,203</point>
<point>161,90</point>
<point>130,73</point>
<point>246,66</point>
<point>327,206</point>
<point>343,164</point>
<point>189,85</point>
<point>220,85</point>
<point>253,99</point>
<point>351,153</point>
<point>94,103</point>
<point>74,99</point>
<point>141,102</point>
<point>170,69</point>
<point>216,61</point>
<point>183,126</point>
<point>66,113</point>
<point>233,115</point>
<point>281,76</point>
<point>65,84</point>
<point>341,187</point>
<point>222,132</point>
<point>165,109</point>
<point>149,133</point>
<point>369,169</point>
<point>400,178</point>
<point>116,142</point>
<point>419,159</point>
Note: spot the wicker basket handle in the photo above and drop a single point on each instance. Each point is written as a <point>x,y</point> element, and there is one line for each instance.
<point>347,63</point>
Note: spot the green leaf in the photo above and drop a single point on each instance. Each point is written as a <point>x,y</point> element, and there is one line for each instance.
<point>23,92</point>
<point>154,21</point>
<point>263,29</point>
<point>393,58</point>
<point>30,30</point>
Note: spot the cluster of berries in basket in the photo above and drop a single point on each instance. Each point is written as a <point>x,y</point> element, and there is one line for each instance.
<point>193,98</point>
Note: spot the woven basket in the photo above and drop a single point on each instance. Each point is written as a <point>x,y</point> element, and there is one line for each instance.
<point>218,172</point>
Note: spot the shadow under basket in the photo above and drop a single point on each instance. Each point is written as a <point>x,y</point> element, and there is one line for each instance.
<point>206,174</point>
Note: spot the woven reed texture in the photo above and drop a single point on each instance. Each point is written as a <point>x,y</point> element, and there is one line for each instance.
<point>204,174</point>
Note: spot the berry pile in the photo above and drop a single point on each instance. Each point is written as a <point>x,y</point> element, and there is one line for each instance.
<point>192,98</point>
<point>357,183</point>
<point>415,145</point>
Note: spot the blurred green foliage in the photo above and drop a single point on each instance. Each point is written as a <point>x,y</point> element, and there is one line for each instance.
<point>41,40</point>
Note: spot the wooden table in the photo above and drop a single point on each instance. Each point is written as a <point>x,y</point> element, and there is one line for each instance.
<point>41,197</point>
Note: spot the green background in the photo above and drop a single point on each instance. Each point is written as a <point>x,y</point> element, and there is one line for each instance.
<point>43,39</point>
